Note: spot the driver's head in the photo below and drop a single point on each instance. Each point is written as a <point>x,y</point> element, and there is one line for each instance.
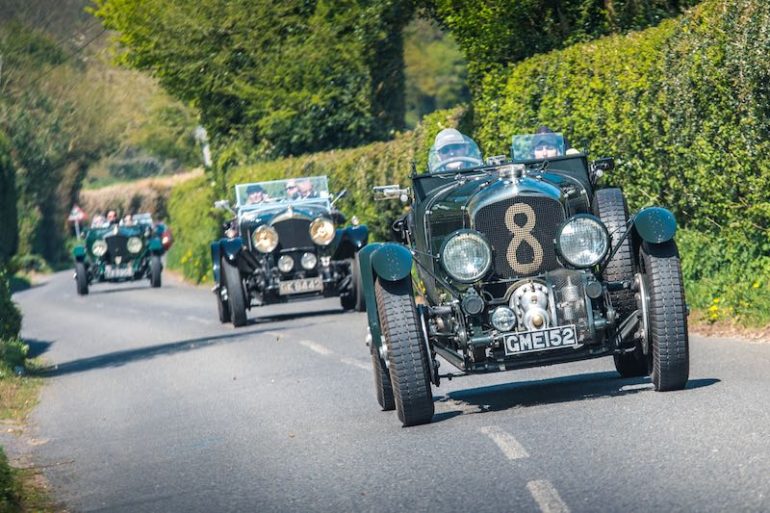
<point>112,216</point>
<point>450,143</point>
<point>543,145</point>
<point>255,194</point>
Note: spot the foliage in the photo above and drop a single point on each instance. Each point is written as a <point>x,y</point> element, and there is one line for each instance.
<point>10,317</point>
<point>684,106</point>
<point>8,501</point>
<point>9,236</point>
<point>286,77</point>
<point>436,75</point>
<point>195,224</point>
<point>495,33</point>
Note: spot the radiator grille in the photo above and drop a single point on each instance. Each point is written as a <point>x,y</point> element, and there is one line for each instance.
<point>521,231</point>
<point>117,247</point>
<point>293,233</point>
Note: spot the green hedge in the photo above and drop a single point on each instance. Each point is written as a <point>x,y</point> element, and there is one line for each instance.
<point>195,223</point>
<point>10,317</point>
<point>684,106</point>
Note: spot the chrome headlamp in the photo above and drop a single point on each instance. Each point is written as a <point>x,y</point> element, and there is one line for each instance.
<point>99,247</point>
<point>322,231</point>
<point>265,239</point>
<point>134,244</point>
<point>285,263</point>
<point>583,241</point>
<point>466,256</point>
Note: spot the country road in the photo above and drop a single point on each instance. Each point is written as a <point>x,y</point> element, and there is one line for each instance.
<point>153,406</point>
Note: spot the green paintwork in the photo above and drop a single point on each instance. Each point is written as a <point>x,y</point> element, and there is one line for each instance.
<point>79,252</point>
<point>392,262</point>
<point>155,246</point>
<point>367,280</point>
<point>655,224</point>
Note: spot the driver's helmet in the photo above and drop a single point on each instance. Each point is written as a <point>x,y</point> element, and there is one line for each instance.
<point>453,151</point>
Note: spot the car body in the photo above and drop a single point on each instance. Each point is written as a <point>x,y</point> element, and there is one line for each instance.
<point>126,251</point>
<point>521,262</point>
<point>283,246</point>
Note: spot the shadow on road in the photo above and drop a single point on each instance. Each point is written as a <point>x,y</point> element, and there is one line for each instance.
<point>548,391</point>
<point>37,347</point>
<point>288,316</point>
<point>115,290</point>
<point>120,358</point>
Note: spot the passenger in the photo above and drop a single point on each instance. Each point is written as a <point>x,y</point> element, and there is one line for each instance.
<point>128,220</point>
<point>292,191</point>
<point>255,194</point>
<point>453,151</point>
<point>112,217</point>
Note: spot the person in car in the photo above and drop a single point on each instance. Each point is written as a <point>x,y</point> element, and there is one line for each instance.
<point>255,194</point>
<point>112,217</point>
<point>306,190</point>
<point>453,151</point>
<point>292,191</point>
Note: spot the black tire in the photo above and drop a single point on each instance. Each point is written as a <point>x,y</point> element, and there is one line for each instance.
<point>223,307</point>
<point>358,286</point>
<point>81,278</point>
<point>235,294</point>
<point>407,352</point>
<point>670,348</point>
<point>382,385</point>
<point>348,297</point>
<point>610,206</point>
<point>156,268</point>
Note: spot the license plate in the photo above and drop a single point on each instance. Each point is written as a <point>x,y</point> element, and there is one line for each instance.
<point>286,288</point>
<point>118,272</point>
<point>540,340</point>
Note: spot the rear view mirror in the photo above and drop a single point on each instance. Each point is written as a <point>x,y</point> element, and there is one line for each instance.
<point>391,192</point>
<point>601,166</point>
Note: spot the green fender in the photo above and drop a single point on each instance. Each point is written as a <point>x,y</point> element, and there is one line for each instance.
<point>387,261</point>
<point>79,252</point>
<point>155,246</point>
<point>655,224</point>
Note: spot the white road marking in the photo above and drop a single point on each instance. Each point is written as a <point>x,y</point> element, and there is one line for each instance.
<point>315,346</point>
<point>512,449</point>
<point>198,320</point>
<point>547,497</point>
<point>356,363</point>
<point>640,386</point>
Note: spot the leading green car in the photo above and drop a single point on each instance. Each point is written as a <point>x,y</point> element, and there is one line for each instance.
<point>125,251</point>
<point>521,262</point>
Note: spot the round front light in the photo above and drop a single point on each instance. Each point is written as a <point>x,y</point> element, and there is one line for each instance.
<point>99,248</point>
<point>322,231</point>
<point>466,256</point>
<point>503,319</point>
<point>285,263</point>
<point>308,261</point>
<point>583,241</point>
<point>265,239</point>
<point>134,244</point>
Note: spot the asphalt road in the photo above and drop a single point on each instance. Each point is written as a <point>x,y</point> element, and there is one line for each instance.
<point>155,406</point>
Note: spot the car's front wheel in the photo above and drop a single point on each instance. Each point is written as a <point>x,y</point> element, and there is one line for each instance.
<point>406,351</point>
<point>156,268</point>
<point>235,295</point>
<point>223,304</point>
<point>358,286</point>
<point>81,278</point>
<point>667,326</point>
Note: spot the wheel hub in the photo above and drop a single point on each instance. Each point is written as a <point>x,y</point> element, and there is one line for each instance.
<point>643,300</point>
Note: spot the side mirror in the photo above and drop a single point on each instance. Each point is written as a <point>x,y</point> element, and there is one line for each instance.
<point>495,160</point>
<point>601,166</point>
<point>391,192</point>
<point>340,195</point>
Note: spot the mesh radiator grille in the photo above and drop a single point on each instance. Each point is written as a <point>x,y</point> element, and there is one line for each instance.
<point>293,233</point>
<point>117,247</point>
<point>521,231</point>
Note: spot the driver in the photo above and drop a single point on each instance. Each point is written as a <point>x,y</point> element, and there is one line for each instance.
<point>112,217</point>
<point>544,144</point>
<point>453,151</point>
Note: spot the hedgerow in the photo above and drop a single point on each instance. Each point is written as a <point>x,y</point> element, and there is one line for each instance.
<point>684,106</point>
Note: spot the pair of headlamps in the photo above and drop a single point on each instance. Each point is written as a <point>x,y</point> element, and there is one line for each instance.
<point>321,230</point>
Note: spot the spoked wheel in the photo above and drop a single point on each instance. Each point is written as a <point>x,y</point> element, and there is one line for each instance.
<point>235,296</point>
<point>81,278</point>
<point>223,304</point>
<point>156,268</point>
<point>667,312</point>
<point>610,207</point>
<point>406,351</point>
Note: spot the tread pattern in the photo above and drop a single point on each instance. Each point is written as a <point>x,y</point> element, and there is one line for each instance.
<point>407,354</point>
<point>223,307</point>
<point>668,317</point>
<point>610,207</point>
<point>235,294</point>
<point>382,384</point>
<point>81,278</point>
<point>156,268</point>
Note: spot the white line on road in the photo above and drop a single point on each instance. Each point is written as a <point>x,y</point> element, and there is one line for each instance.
<point>356,363</point>
<point>547,497</point>
<point>506,442</point>
<point>315,346</point>
<point>198,320</point>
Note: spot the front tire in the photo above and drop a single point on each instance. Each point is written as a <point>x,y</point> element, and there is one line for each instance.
<point>358,286</point>
<point>223,306</point>
<point>81,278</point>
<point>382,385</point>
<point>407,352</point>
<point>235,296</point>
<point>670,349</point>
<point>156,268</point>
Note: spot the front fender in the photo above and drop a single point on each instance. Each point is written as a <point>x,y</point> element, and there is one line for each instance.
<point>79,253</point>
<point>155,246</point>
<point>387,261</point>
<point>224,248</point>
<point>655,224</point>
